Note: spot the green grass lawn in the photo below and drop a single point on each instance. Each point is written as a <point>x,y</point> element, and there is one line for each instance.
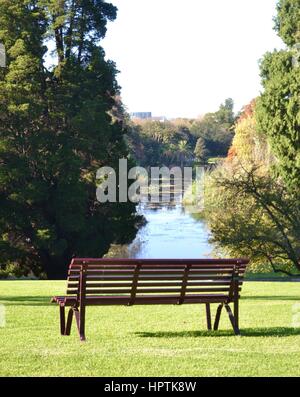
<point>149,340</point>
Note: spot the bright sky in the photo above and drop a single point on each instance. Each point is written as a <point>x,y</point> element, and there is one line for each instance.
<point>183,58</point>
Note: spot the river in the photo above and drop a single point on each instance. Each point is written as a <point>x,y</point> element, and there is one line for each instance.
<point>170,232</point>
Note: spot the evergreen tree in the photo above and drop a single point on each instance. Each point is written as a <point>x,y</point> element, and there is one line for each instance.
<point>201,153</point>
<point>225,115</point>
<point>216,129</point>
<point>278,109</point>
<point>56,130</point>
<point>288,21</point>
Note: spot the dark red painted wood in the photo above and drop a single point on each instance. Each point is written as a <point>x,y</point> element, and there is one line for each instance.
<point>98,282</point>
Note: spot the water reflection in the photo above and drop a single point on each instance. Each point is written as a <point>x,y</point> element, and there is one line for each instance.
<point>170,232</point>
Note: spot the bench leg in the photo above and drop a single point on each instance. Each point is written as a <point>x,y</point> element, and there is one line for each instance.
<point>82,324</point>
<point>218,315</point>
<point>232,320</point>
<point>62,319</point>
<point>236,312</point>
<point>69,322</point>
<point>80,321</point>
<point>76,314</point>
<point>208,316</point>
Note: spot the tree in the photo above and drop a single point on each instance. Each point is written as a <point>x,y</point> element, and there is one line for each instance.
<point>252,210</point>
<point>183,152</point>
<point>249,144</point>
<point>225,114</point>
<point>56,130</point>
<point>251,214</point>
<point>201,153</point>
<point>278,108</point>
<point>216,129</point>
<point>155,143</point>
<point>288,21</point>
<point>247,111</point>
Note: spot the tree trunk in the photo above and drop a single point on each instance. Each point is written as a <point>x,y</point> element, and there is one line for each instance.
<point>56,268</point>
<point>69,36</point>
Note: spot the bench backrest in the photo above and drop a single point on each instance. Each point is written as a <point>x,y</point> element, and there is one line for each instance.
<point>182,278</point>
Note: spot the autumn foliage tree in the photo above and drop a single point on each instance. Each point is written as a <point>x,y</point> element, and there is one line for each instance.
<point>253,201</point>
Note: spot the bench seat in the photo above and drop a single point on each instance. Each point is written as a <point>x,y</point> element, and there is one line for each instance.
<point>142,299</point>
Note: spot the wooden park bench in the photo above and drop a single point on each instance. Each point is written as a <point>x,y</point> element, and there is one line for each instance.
<point>100,282</point>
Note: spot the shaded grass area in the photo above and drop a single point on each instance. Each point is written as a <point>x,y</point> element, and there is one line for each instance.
<point>271,276</point>
<point>150,340</point>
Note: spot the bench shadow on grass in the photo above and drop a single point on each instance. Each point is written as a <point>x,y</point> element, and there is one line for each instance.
<point>25,300</point>
<point>246,332</point>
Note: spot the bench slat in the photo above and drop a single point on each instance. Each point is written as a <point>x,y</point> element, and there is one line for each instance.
<point>151,299</point>
<point>152,284</point>
<point>178,272</point>
<point>143,278</point>
<point>200,279</point>
<point>93,261</point>
<point>149,291</point>
<point>154,267</point>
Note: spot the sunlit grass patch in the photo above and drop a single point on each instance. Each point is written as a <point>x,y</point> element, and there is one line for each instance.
<point>149,340</point>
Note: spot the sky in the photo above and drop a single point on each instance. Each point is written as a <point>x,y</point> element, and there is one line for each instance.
<point>184,58</point>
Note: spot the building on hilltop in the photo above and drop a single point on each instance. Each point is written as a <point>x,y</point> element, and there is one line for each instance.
<point>141,115</point>
<point>147,116</point>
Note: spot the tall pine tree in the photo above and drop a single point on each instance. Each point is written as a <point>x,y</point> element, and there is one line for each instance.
<point>56,130</point>
<point>278,108</point>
